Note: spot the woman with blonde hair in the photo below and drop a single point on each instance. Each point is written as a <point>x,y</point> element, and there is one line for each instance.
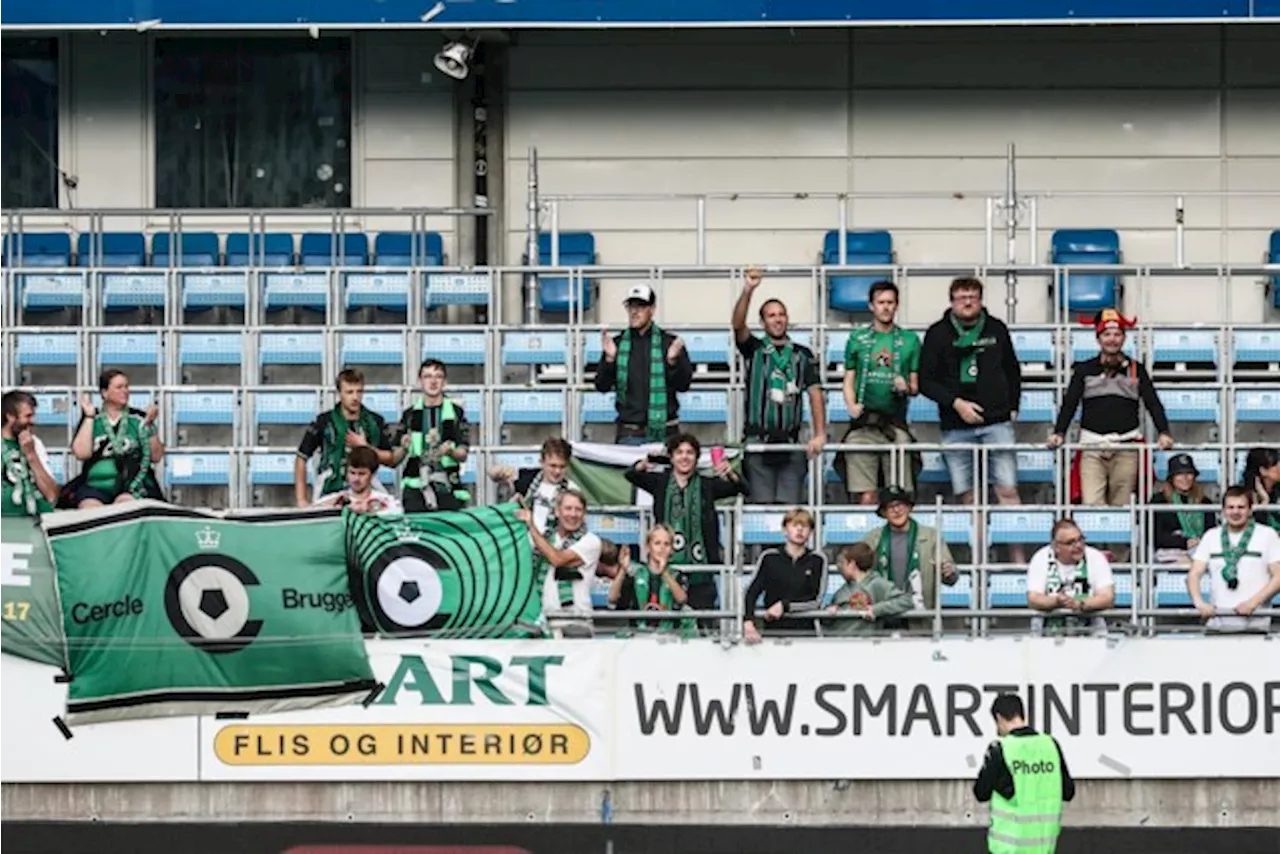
<point>1178,531</point>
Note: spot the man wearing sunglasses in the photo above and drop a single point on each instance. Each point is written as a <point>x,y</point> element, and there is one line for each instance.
<point>1071,579</point>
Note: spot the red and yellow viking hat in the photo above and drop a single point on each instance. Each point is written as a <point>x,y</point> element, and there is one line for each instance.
<point>1110,318</point>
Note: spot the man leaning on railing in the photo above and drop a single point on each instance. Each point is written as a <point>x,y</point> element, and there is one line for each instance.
<point>1242,558</point>
<point>1068,575</point>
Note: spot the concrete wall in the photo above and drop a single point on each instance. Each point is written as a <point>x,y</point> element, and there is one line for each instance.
<point>925,111</point>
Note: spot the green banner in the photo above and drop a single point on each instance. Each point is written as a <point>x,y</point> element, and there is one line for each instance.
<point>600,471</point>
<point>170,611</point>
<point>463,574</point>
<point>32,622</point>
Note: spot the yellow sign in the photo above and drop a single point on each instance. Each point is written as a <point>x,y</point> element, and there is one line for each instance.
<point>403,744</point>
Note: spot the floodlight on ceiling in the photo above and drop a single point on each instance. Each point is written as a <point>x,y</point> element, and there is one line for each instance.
<point>454,60</point>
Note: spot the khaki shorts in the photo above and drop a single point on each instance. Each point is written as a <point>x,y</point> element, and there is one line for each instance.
<point>866,472</point>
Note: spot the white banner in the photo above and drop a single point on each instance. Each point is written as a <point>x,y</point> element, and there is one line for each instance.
<point>644,709</point>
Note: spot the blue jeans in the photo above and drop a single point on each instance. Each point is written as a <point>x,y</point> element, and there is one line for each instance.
<point>1002,466</point>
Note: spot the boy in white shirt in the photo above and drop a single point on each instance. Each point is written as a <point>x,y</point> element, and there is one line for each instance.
<point>362,494</point>
<point>1067,575</point>
<point>1243,561</point>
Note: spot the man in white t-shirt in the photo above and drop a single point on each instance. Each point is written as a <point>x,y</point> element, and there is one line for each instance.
<point>1068,575</point>
<point>362,494</point>
<point>1243,561</point>
<point>568,557</point>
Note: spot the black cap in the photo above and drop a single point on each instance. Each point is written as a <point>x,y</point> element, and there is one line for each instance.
<point>1182,464</point>
<point>890,494</point>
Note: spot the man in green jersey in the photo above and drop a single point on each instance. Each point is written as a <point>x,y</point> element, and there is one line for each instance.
<point>1025,778</point>
<point>27,488</point>
<point>881,373</point>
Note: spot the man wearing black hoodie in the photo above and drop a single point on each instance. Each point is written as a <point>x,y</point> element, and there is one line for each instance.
<point>969,368</point>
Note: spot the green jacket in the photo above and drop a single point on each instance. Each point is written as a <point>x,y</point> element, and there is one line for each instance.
<point>927,545</point>
<point>883,595</point>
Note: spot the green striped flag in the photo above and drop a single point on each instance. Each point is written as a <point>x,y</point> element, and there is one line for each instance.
<point>467,573</point>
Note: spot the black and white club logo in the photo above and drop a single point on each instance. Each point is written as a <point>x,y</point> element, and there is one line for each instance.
<point>207,602</point>
<point>409,593</point>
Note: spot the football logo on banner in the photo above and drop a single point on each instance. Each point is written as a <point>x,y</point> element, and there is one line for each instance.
<point>206,600</point>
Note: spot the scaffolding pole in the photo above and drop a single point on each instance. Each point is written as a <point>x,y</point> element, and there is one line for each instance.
<point>1011,234</point>
<point>531,244</point>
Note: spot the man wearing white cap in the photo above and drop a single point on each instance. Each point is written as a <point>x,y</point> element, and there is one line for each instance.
<point>648,367</point>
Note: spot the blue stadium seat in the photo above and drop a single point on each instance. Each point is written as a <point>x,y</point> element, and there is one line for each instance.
<point>1209,464</point>
<point>841,527</point>
<point>195,249</point>
<point>205,408</point>
<point>1038,407</point>
<point>598,407</point>
<point>518,459</point>
<point>532,407</point>
<point>1084,345</point>
<point>1007,589</point>
<point>1020,526</point>
<point>309,290</point>
<point>371,348</point>
<point>457,289</point>
<point>221,349</point>
<point>59,408</point>
<point>197,469</point>
<point>388,291</point>
<point>403,249</point>
<point>1252,346</point>
<point>1036,467</point>
<point>535,348</point>
<point>1104,526</point>
<point>709,347</point>
<point>704,407</point>
<point>128,349</point>
<point>921,410</point>
<point>956,526</point>
<point>1171,589</point>
<point>933,468</point>
<point>577,249</point>
<point>850,293</point>
<point>37,249</point>
<point>836,341</point>
<point>762,527</point>
<point>267,468</point>
<point>622,528</point>
<point>112,249</point>
<point>1187,346</point>
<point>837,411</point>
<point>454,347</point>
<point>385,402</point>
<point>1258,405</point>
<point>1087,291</point>
<point>271,249</point>
<point>326,249</point>
<point>1124,588</point>
<point>284,409</point>
<point>1035,347</point>
<point>1190,405</point>
<point>47,349</point>
<point>472,403</point>
<point>290,348</point>
<point>58,462</point>
<point>1273,257</point>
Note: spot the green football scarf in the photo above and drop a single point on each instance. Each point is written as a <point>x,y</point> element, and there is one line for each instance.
<point>656,424</point>
<point>652,594</point>
<point>967,341</point>
<point>1231,555</point>
<point>781,379</point>
<point>564,577</point>
<point>335,443</point>
<point>683,512</point>
<point>1190,523</point>
<point>884,552</point>
<point>18,472</point>
<point>118,441</point>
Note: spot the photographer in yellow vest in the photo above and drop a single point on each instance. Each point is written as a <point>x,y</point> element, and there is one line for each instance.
<point>1025,778</point>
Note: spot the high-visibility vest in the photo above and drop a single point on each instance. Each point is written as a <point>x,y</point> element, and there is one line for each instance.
<point>450,468</point>
<point>1031,821</point>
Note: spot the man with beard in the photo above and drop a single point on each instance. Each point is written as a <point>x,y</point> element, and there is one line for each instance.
<point>28,488</point>
<point>1110,386</point>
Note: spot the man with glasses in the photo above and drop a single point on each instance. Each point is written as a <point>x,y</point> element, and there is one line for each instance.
<point>969,368</point>
<point>1068,575</point>
<point>647,367</point>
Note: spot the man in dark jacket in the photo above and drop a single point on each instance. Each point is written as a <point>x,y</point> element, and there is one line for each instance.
<point>647,367</point>
<point>969,368</point>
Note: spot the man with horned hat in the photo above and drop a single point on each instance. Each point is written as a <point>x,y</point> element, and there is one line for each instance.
<point>1108,389</point>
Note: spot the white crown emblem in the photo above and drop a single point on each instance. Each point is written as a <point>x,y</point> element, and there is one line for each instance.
<point>207,538</point>
<point>406,533</point>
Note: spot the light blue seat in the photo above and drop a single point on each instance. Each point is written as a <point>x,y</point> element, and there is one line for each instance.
<point>205,408</point>
<point>622,528</point>
<point>842,527</point>
<point>291,348</point>
<point>268,468</point>
<point>1038,407</point>
<point>1255,345</point>
<point>708,347</point>
<point>1172,346</point>
<point>837,411</point>
<point>210,348</point>
<point>704,407</point>
<point>387,476</point>
<point>44,291</point>
<point>1036,467</point>
<point>58,408</point>
<point>1034,347</point>
<point>289,408</point>
<point>384,402</point>
<point>576,249</point>
<point>327,249</point>
<point>371,348</point>
<point>270,249</point>
<point>837,340</point>
<point>472,403</point>
<point>851,292</point>
<point>1171,589</point>
<point>37,249</point>
<point>599,408</point>
<point>58,462</point>
<point>535,348</point>
<point>762,527</point>
<point>960,594</point>
<point>444,289</point>
<point>591,349</point>
<point>122,291</point>
<point>454,347</point>
<point>1087,291</point>
<point>1273,257</point>
<point>1008,527</point>
<point>205,290</point>
<point>799,336</point>
<point>933,468</point>
<point>142,398</point>
<point>531,407</point>
<point>47,349</point>
<point>1124,588</point>
<point>405,249</point>
<point>189,468</point>
<point>1208,462</point>
<point>922,410</point>
<point>956,527</point>
<point>126,349</point>
<point>518,459</point>
<point>195,249</point>
<point>1007,589</point>
<point>297,289</point>
<point>1103,526</point>
<point>387,290</point>
<point>1258,406</point>
<point>1190,405</point>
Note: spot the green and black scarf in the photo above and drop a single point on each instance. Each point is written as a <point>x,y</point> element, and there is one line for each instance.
<point>118,441</point>
<point>565,576</point>
<point>335,443</point>
<point>1191,523</point>
<point>884,552</point>
<point>18,472</point>
<point>969,342</point>
<point>1231,555</point>
<point>653,594</point>
<point>656,422</point>
<point>682,510</point>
